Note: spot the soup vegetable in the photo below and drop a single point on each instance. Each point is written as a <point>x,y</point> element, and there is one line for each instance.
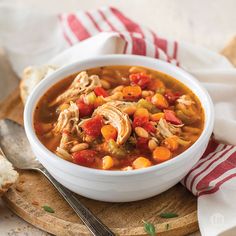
<point>118,118</point>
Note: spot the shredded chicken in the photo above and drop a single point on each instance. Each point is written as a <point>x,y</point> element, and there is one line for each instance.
<point>121,105</point>
<point>63,154</point>
<point>68,119</point>
<point>116,96</point>
<point>82,84</point>
<point>186,100</point>
<point>166,129</point>
<point>64,140</point>
<point>114,116</point>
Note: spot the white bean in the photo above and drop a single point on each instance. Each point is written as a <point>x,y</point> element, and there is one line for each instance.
<point>63,154</point>
<point>117,89</point>
<point>105,84</point>
<point>136,69</point>
<point>79,147</point>
<point>152,144</point>
<point>146,93</point>
<point>115,96</point>
<point>130,110</point>
<point>141,132</point>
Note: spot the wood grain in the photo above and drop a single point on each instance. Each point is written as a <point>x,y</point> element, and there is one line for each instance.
<point>123,218</point>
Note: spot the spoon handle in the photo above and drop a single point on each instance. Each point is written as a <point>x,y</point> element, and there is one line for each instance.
<point>95,226</point>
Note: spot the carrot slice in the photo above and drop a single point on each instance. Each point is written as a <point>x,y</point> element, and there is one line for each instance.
<point>132,92</point>
<point>161,154</point>
<point>109,132</point>
<point>171,143</point>
<point>159,101</point>
<point>157,116</point>
<point>141,112</point>
<point>171,117</point>
<point>99,101</point>
<point>156,84</point>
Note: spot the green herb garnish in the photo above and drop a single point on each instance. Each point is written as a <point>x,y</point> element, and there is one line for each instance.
<point>168,215</point>
<point>48,209</point>
<point>167,226</point>
<point>149,228</point>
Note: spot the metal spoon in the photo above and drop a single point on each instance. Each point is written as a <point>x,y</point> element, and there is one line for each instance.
<point>16,148</point>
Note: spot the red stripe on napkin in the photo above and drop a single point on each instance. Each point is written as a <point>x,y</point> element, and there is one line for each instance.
<point>175,50</point>
<point>139,46</point>
<point>160,43</point>
<point>217,165</point>
<point>93,21</point>
<point>217,186</point>
<point>209,153</point>
<point>130,25</point>
<point>107,21</point>
<point>77,28</point>
<point>61,19</point>
<point>219,170</point>
<point>208,165</point>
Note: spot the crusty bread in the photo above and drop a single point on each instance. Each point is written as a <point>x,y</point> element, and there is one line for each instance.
<point>8,175</point>
<point>32,75</point>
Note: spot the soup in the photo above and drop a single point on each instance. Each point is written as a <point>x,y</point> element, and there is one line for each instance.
<point>118,118</point>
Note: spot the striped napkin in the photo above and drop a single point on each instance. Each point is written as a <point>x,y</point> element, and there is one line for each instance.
<point>72,36</point>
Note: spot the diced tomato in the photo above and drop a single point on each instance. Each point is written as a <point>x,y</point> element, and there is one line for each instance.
<point>99,91</point>
<point>84,157</point>
<point>125,162</point>
<point>149,127</point>
<point>67,132</point>
<point>132,93</point>
<point>92,127</point>
<point>140,79</point>
<point>139,121</point>
<point>159,101</point>
<point>98,101</point>
<point>84,109</point>
<point>156,85</point>
<point>38,129</point>
<point>143,121</point>
<point>170,116</point>
<point>142,143</point>
<point>149,98</point>
<point>172,96</point>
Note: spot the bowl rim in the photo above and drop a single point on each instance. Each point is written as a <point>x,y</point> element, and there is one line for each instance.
<point>34,98</point>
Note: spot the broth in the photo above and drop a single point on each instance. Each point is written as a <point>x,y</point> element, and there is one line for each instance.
<point>118,118</point>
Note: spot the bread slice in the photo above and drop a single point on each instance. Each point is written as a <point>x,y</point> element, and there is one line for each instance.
<point>32,75</point>
<point>8,175</point>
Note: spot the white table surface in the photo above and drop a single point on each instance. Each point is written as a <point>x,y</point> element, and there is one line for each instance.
<point>203,22</point>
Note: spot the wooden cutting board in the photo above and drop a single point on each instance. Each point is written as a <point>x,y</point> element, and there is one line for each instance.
<point>33,191</point>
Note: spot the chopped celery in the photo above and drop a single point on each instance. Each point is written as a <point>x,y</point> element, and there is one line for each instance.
<point>183,142</point>
<point>115,150</point>
<point>161,90</point>
<point>90,98</point>
<point>148,105</point>
<point>186,119</point>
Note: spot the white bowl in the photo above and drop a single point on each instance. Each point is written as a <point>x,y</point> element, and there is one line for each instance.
<point>119,186</point>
